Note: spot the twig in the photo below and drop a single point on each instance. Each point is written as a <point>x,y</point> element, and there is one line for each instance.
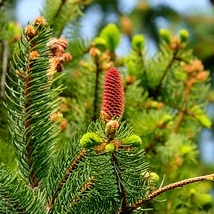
<point>178,121</point>
<point>70,169</point>
<point>182,183</point>
<point>157,89</point>
<point>85,187</point>
<point>4,67</point>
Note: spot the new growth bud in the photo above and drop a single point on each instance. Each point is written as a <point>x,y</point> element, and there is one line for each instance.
<point>132,140</point>
<point>30,32</point>
<point>154,177</point>
<point>110,147</point>
<point>183,36</point>
<point>111,127</point>
<point>166,35</point>
<point>111,35</point>
<point>90,139</point>
<point>40,21</point>
<point>138,43</point>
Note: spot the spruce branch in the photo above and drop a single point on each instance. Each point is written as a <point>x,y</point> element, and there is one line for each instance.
<point>59,10</point>
<point>195,74</point>
<point>60,13</point>
<point>120,183</point>
<point>155,92</point>
<point>16,197</point>
<point>33,104</point>
<point>4,67</point>
<point>181,183</point>
<point>65,178</point>
<point>86,186</point>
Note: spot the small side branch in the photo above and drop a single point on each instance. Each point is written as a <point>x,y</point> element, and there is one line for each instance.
<point>65,178</point>
<point>182,183</point>
<point>85,187</point>
<point>157,89</point>
<point>4,68</point>
<point>59,9</point>
<point>10,200</point>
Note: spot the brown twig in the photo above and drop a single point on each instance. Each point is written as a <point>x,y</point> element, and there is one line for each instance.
<point>181,113</point>
<point>4,67</point>
<point>182,183</point>
<point>65,178</point>
<point>85,187</point>
<point>180,118</point>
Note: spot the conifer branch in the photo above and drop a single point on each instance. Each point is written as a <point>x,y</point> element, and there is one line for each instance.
<point>27,91</point>
<point>16,197</point>
<point>121,187</point>
<point>65,178</point>
<point>33,110</point>
<point>182,183</point>
<point>59,9</point>
<point>4,67</point>
<point>14,206</point>
<point>155,92</point>
<point>61,13</point>
<point>85,187</point>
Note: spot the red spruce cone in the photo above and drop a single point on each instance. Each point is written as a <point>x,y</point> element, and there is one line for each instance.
<point>113,96</point>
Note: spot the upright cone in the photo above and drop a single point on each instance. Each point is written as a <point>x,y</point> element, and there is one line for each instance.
<point>113,96</point>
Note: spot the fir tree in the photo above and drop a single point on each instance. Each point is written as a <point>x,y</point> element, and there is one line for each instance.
<point>127,122</point>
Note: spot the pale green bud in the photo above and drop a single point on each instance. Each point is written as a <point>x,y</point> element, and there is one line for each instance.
<point>204,120</point>
<point>154,177</point>
<point>138,42</point>
<point>185,150</point>
<point>110,147</point>
<point>166,35</point>
<point>183,35</point>
<point>132,140</point>
<point>131,68</point>
<point>90,139</point>
<point>111,35</point>
<point>197,110</point>
<point>100,42</point>
<point>165,120</point>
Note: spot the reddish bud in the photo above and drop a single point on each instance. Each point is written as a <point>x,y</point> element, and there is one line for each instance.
<point>113,95</point>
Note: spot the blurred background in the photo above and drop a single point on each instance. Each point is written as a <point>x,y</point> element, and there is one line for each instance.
<point>145,17</point>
